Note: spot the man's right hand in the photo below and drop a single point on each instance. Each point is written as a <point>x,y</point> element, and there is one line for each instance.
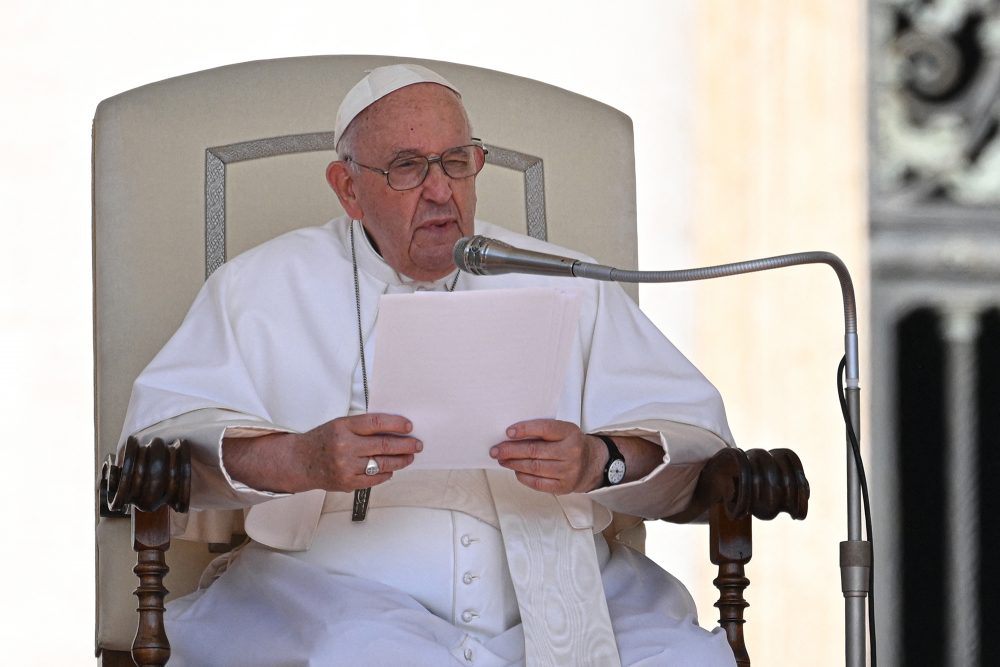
<point>332,456</point>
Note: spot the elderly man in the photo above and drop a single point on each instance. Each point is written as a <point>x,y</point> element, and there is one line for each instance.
<point>267,377</point>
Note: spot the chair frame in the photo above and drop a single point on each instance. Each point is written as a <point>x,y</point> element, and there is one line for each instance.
<point>734,487</point>
<point>150,479</point>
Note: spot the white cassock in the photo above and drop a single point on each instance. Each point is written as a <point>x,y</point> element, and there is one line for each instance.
<point>448,563</point>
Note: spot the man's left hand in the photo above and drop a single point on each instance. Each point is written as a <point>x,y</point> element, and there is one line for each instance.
<point>552,456</point>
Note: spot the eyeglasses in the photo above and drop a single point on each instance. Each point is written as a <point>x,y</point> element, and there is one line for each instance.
<point>408,172</point>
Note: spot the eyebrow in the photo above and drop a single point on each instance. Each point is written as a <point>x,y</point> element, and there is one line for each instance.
<point>409,152</point>
<point>404,152</point>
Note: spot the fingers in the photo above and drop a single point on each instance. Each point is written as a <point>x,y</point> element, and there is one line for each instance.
<point>547,455</point>
<point>532,439</point>
<point>544,484</point>
<point>548,477</point>
<point>389,453</point>
<point>379,423</point>
<point>385,445</point>
<point>551,467</point>
<point>335,454</point>
<point>383,434</point>
<point>540,439</point>
<point>385,464</point>
<point>548,469</point>
<point>526,449</point>
<point>543,429</point>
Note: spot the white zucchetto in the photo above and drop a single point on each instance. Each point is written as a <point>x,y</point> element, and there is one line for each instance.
<point>378,83</point>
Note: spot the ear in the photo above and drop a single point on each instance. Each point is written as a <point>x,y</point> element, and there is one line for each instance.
<point>340,178</point>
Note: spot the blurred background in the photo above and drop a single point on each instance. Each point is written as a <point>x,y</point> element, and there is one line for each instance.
<point>866,129</point>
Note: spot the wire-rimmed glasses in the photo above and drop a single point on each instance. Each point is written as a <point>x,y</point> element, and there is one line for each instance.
<point>409,171</point>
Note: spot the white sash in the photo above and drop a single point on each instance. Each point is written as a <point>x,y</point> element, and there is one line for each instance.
<point>556,577</point>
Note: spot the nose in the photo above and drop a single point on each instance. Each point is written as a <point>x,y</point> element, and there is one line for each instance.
<point>437,184</point>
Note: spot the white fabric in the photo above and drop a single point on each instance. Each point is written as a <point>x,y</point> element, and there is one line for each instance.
<point>377,84</point>
<point>272,337</point>
<point>557,579</point>
<point>464,578</point>
<point>284,612</point>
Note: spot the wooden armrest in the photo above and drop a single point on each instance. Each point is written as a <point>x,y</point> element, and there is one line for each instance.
<point>734,487</point>
<point>149,477</point>
<point>756,483</point>
<point>152,479</point>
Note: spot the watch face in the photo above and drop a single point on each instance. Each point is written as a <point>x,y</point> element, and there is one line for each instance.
<point>616,471</point>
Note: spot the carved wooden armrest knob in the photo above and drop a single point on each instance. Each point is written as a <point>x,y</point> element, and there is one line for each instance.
<point>779,484</point>
<point>756,482</point>
<point>149,477</point>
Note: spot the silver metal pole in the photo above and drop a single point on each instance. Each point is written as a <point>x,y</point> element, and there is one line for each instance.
<point>484,256</point>
<point>961,491</point>
<point>855,553</point>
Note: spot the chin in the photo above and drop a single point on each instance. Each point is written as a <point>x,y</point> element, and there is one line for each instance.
<point>437,257</point>
<point>435,270</point>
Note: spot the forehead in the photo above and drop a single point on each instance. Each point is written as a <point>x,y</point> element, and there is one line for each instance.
<point>422,117</point>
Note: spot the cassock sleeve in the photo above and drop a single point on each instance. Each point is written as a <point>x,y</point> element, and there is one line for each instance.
<point>668,488</point>
<point>639,384</point>
<point>212,488</point>
<point>201,366</point>
<point>198,388</point>
<point>217,500</point>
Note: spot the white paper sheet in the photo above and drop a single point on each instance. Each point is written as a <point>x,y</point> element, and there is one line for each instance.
<point>464,366</point>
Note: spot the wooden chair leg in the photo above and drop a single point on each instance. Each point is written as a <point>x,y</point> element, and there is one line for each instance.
<point>116,659</point>
<point>151,539</point>
<point>730,548</point>
<point>744,485</point>
<point>152,479</point>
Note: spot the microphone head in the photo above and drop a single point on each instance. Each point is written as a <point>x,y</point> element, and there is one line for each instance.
<point>470,253</point>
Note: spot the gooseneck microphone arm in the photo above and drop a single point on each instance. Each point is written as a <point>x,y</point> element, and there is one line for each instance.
<point>485,256</point>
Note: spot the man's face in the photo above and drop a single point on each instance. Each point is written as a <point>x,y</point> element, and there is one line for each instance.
<point>414,230</point>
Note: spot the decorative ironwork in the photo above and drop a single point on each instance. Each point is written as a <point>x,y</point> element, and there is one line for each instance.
<point>936,101</point>
<point>935,260</point>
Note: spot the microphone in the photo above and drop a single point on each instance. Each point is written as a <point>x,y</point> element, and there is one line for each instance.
<point>484,256</point>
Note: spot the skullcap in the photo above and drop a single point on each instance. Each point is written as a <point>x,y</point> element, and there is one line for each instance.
<point>378,83</point>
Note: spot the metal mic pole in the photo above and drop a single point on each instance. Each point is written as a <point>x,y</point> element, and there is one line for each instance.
<point>856,556</point>
<point>483,256</point>
<point>855,553</point>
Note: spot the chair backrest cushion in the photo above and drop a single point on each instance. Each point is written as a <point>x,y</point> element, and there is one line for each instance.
<point>201,167</point>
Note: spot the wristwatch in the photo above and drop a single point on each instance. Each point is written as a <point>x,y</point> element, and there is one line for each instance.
<point>614,469</point>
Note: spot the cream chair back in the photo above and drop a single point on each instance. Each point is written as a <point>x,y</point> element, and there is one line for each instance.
<point>198,168</point>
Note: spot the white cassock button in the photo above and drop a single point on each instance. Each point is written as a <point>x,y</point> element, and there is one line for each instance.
<point>467,540</point>
<point>468,578</point>
<point>468,616</point>
<point>468,654</point>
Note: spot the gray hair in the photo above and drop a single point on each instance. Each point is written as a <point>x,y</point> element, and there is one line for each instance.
<point>347,143</point>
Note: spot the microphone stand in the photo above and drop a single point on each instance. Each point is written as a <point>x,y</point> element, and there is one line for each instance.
<point>855,552</point>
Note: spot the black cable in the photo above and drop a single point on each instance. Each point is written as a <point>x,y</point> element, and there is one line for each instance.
<point>859,464</point>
